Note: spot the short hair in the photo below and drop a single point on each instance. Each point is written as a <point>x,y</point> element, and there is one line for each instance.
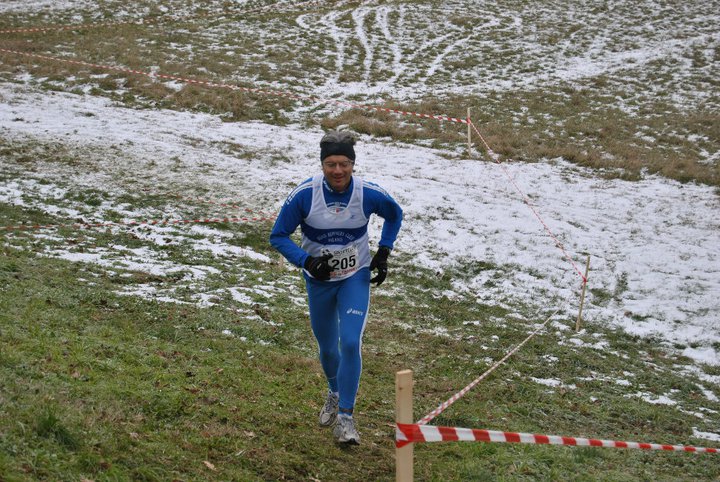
<point>337,143</point>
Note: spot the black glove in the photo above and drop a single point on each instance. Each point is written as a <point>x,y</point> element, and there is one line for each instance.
<point>379,262</point>
<point>319,268</point>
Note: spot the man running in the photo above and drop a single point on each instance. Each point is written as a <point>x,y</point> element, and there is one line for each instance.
<point>332,209</point>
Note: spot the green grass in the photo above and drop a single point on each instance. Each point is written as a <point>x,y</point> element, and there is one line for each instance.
<point>106,387</point>
<point>96,385</point>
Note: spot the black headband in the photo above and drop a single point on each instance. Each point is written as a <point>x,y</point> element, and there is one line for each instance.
<point>337,148</point>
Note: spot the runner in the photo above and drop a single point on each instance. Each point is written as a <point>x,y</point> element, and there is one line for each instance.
<point>332,209</point>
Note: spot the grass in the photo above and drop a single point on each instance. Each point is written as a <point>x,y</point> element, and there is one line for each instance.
<point>152,395</point>
<point>107,387</point>
<point>99,385</point>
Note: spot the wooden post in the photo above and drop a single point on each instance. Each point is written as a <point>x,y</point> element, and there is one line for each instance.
<point>404,414</point>
<point>582,296</point>
<point>469,135</point>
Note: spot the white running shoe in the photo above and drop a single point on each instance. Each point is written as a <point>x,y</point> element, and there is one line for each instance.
<point>329,412</point>
<point>345,432</point>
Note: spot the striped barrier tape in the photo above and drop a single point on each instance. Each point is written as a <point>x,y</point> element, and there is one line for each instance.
<point>28,227</point>
<point>415,433</point>
<point>443,406</point>
<point>221,204</point>
<point>254,90</point>
<point>77,27</point>
<point>529,204</point>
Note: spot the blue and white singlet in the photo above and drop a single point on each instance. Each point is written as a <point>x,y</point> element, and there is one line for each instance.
<point>336,230</point>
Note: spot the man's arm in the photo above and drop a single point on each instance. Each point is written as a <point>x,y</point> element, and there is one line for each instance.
<point>290,217</point>
<point>379,202</point>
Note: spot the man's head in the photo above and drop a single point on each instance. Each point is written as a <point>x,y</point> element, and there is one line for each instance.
<point>337,156</point>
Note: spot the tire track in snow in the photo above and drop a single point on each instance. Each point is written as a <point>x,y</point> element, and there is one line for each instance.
<point>358,16</point>
<point>327,25</point>
<point>438,60</point>
<point>398,68</point>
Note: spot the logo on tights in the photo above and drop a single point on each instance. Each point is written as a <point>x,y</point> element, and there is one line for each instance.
<point>353,311</point>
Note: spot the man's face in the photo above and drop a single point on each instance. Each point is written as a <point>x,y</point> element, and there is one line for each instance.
<point>338,171</point>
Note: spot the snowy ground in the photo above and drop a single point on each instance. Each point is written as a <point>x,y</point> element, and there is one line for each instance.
<point>653,244</point>
<point>644,50</point>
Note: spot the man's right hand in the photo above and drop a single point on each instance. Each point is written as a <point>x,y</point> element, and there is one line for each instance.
<point>319,268</point>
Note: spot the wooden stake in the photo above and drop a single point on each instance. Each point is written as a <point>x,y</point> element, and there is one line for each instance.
<point>582,296</point>
<point>469,135</point>
<point>404,414</point>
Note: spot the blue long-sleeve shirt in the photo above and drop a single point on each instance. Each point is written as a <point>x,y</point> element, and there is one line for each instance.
<point>297,207</point>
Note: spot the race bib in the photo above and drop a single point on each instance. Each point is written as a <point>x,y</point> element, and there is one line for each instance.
<point>344,261</point>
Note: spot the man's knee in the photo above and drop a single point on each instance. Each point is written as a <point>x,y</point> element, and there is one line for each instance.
<point>350,347</point>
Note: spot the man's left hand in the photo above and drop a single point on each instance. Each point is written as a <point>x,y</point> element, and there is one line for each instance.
<point>379,262</point>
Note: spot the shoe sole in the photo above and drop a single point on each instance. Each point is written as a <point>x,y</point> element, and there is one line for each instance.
<point>351,441</point>
<point>347,441</point>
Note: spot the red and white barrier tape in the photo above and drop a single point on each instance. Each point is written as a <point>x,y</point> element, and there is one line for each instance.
<point>273,93</point>
<point>443,406</point>
<point>27,227</point>
<point>527,201</point>
<point>414,433</point>
<point>150,21</point>
<point>224,205</point>
<point>49,28</point>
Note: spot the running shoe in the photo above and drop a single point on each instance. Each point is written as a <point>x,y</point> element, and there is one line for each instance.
<point>329,412</point>
<point>345,432</point>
